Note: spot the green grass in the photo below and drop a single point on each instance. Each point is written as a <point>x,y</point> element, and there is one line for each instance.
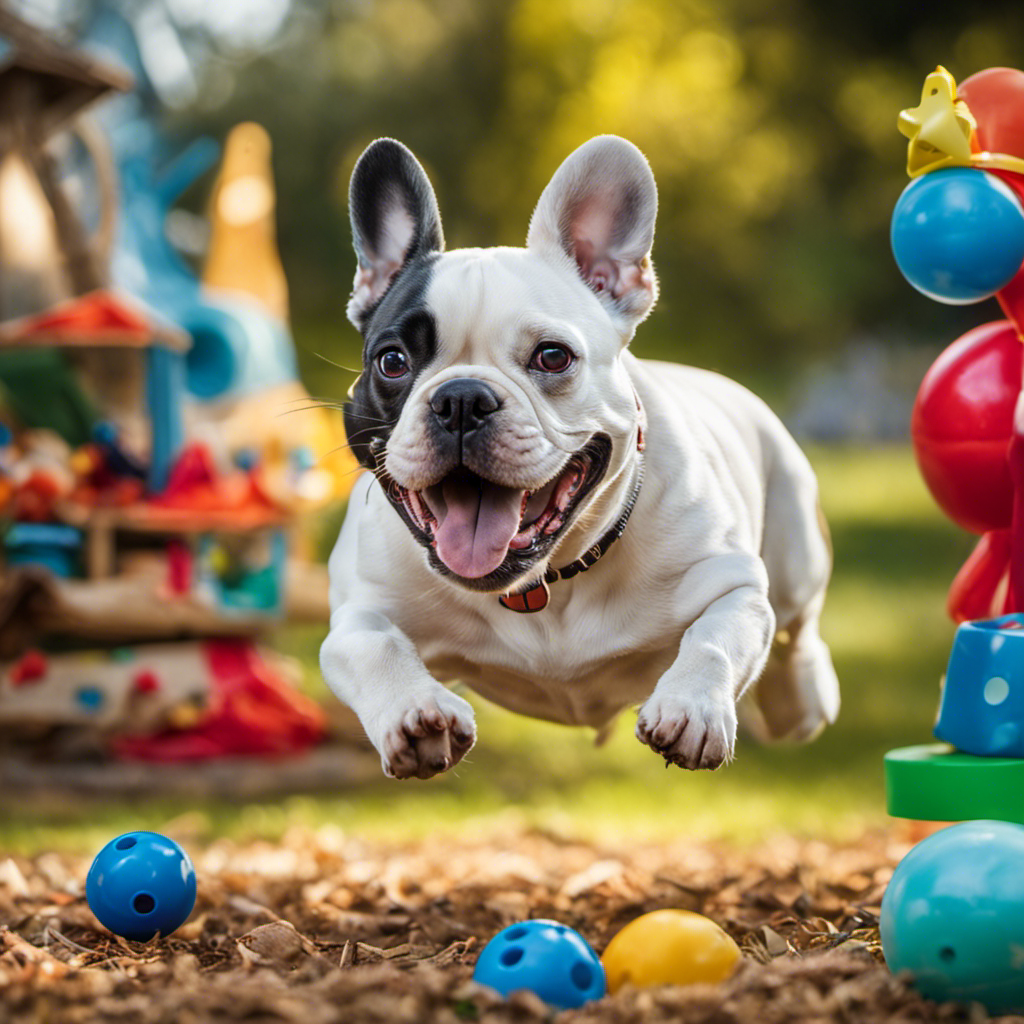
<point>885,621</point>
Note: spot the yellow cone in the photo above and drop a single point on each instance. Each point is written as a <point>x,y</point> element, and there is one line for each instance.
<point>669,947</point>
<point>243,253</point>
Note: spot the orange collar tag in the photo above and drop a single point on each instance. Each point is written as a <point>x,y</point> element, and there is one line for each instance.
<point>532,600</point>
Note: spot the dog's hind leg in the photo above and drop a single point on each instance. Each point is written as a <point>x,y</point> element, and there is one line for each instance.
<point>798,693</point>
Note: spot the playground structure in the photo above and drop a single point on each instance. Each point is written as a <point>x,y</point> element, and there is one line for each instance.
<point>150,484</point>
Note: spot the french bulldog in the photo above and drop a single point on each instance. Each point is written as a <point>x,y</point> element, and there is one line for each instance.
<point>563,527</point>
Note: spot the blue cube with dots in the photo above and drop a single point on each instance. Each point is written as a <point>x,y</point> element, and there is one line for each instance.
<point>982,708</point>
<point>140,884</point>
<point>547,958</point>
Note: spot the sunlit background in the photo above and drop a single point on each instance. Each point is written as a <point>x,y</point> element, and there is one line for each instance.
<point>771,133</point>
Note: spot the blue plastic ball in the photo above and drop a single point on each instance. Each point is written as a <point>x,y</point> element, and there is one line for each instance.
<point>548,958</point>
<point>953,915</point>
<point>958,234</point>
<point>141,883</point>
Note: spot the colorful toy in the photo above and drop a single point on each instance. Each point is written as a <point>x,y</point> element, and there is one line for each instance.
<point>958,236</point>
<point>962,431</point>
<point>932,782</point>
<point>982,709</point>
<point>951,915</point>
<point>669,947</point>
<point>545,957</point>
<point>44,545</point>
<point>181,701</point>
<point>141,884</point>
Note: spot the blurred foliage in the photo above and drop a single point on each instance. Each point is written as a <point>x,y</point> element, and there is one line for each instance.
<point>771,131</point>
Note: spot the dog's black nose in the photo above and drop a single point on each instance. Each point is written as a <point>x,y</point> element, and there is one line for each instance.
<point>463,404</point>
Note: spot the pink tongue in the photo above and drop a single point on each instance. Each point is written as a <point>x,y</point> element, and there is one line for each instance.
<point>475,531</point>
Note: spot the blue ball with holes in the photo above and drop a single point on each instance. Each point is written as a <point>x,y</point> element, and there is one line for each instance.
<point>547,958</point>
<point>141,884</point>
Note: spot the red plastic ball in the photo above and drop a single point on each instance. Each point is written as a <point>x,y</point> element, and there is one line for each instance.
<point>962,425</point>
<point>995,97</point>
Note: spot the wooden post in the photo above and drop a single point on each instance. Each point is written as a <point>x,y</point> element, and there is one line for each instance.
<point>83,272</point>
<point>99,550</point>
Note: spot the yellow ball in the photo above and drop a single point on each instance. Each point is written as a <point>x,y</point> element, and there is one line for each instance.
<point>669,947</point>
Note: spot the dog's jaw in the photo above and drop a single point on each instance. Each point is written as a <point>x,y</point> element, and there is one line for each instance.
<point>545,513</point>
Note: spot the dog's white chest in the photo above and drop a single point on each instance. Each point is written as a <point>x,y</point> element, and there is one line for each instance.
<point>542,664</point>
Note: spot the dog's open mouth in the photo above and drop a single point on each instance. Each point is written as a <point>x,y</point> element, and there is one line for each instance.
<point>473,524</point>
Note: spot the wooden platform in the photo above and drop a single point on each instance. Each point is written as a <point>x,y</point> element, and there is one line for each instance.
<point>332,767</point>
<point>135,607</point>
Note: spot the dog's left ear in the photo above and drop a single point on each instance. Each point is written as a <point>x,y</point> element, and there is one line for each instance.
<point>599,211</point>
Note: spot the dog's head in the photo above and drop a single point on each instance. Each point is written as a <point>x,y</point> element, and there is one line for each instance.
<point>493,404</point>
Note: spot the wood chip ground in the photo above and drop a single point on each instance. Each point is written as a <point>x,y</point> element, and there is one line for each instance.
<point>322,927</point>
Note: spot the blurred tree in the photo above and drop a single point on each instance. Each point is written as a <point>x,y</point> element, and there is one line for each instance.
<point>771,133</point>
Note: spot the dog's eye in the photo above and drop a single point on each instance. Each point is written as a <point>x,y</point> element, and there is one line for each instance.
<point>551,358</point>
<point>392,363</point>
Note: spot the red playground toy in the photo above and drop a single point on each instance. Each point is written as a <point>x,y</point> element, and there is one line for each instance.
<point>958,236</point>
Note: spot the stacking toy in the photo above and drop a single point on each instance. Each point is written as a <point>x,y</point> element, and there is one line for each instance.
<point>669,947</point>
<point>982,709</point>
<point>958,236</point>
<point>963,422</point>
<point>953,915</point>
<point>141,883</point>
<point>545,957</point>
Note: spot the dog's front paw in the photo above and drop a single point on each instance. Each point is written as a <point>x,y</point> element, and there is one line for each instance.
<point>430,737</point>
<point>691,732</point>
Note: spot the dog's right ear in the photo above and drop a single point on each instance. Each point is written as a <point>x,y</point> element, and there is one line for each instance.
<point>394,219</point>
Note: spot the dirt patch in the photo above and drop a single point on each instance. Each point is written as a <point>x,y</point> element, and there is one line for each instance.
<point>322,927</point>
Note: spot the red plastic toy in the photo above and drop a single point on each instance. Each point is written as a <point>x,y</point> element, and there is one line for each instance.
<point>30,669</point>
<point>254,711</point>
<point>968,422</point>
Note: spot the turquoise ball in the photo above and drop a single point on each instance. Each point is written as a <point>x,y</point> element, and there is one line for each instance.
<point>953,916</point>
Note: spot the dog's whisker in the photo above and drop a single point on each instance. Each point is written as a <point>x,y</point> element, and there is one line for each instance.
<point>331,362</point>
<point>364,416</point>
<point>305,408</point>
<point>308,398</point>
<point>362,430</point>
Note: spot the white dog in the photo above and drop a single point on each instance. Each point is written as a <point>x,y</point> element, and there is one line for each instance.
<point>565,528</point>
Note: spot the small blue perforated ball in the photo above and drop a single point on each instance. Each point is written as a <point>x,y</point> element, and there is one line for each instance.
<point>550,959</point>
<point>141,883</point>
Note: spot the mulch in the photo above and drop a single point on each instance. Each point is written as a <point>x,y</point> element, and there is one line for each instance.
<point>323,927</point>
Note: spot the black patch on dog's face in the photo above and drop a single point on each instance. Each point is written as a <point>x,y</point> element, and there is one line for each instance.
<point>400,320</point>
